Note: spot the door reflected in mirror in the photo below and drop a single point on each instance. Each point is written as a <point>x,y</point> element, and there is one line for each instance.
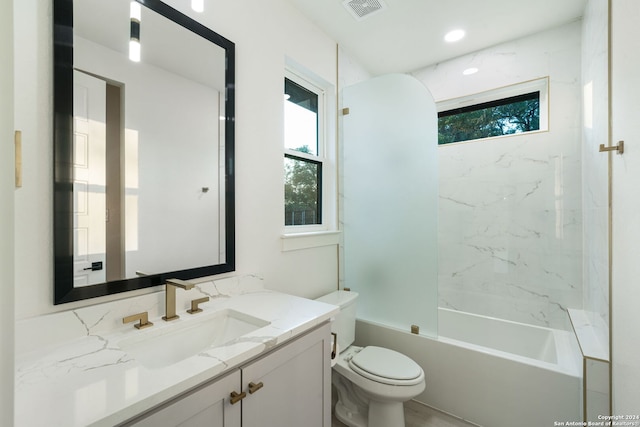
<point>148,150</point>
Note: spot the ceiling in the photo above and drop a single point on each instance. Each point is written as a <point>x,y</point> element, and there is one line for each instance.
<point>409,34</point>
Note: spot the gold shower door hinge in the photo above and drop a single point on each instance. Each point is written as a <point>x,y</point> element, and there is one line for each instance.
<point>619,148</point>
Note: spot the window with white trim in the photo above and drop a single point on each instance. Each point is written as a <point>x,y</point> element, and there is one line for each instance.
<point>306,164</point>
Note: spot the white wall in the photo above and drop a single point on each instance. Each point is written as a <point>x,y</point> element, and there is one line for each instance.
<point>7,324</point>
<point>264,33</point>
<point>626,205</point>
<point>509,239</point>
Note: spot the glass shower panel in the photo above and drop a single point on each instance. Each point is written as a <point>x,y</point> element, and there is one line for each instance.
<point>390,183</point>
<point>595,168</point>
<point>593,330</point>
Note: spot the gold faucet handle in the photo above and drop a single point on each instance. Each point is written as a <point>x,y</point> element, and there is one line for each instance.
<point>180,284</point>
<point>142,317</point>
<point>194,305</point>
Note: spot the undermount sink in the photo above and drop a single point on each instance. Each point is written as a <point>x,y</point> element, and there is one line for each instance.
<point>163,347</point>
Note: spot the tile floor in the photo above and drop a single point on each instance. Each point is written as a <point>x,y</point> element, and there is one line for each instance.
<point>419,415</point>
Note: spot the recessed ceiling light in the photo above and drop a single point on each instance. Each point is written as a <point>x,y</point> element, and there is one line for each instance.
<point>470,71</point>
<point>454,36</point>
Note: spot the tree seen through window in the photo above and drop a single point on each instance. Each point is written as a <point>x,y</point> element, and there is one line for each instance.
<point>506,116</point>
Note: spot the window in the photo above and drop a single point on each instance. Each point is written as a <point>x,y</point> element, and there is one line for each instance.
<point>304,156</point>
<point>507,111</point>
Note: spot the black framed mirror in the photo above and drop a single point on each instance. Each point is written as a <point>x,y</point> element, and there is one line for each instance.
<point>143,148</point>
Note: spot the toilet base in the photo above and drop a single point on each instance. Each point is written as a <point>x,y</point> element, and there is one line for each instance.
<point>351,408</point>
<point>355,409</point>
<point>349,418</point>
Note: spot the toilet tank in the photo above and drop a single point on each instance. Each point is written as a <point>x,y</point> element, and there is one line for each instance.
<point>344,324</point>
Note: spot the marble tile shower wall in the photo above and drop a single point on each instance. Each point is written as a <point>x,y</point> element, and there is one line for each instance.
<point>509,230</point>
<point>510,209</point>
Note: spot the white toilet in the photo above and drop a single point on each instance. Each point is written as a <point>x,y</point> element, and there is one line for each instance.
<point>372,382</point>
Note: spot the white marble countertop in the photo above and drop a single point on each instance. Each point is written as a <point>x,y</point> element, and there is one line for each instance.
<point>70,370</point>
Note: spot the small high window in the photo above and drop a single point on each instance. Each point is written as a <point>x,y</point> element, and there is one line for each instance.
<point>506,111</point>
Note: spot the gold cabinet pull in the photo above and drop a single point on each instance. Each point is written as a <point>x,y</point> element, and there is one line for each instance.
<point>253,387</point>
<point>237,397</point>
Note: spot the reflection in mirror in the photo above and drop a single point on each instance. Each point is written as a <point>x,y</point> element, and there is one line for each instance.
<point>144,149</point>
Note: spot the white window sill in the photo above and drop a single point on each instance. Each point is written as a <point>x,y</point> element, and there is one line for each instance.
<point>314,239</point>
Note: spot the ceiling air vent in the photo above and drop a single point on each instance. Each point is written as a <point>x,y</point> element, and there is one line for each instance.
<point>361,9</point>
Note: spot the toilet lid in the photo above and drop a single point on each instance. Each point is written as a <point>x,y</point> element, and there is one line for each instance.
<point>386,366</point>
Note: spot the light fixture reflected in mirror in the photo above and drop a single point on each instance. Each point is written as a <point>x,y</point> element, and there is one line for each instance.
<point>197,5</point>
<point>134,40</point>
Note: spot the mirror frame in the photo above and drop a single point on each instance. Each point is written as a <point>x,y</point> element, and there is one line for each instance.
<point>64,291</point>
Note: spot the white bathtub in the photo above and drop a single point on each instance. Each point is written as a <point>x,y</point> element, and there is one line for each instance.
<point>552,349</point>
<point>492,372</point>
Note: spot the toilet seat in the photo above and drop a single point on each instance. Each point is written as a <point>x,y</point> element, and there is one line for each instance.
<point>386,366</point>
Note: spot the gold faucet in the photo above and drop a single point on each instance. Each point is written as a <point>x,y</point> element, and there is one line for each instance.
<point>170,297</point>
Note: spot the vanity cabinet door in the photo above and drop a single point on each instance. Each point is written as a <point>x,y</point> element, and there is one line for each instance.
<point>292,385</point>
<point>208,405</point>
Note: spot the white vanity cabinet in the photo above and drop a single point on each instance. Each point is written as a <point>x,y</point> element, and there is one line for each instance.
<point>208,405</point>
<point>289,386</point>
<point>296,383</point>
